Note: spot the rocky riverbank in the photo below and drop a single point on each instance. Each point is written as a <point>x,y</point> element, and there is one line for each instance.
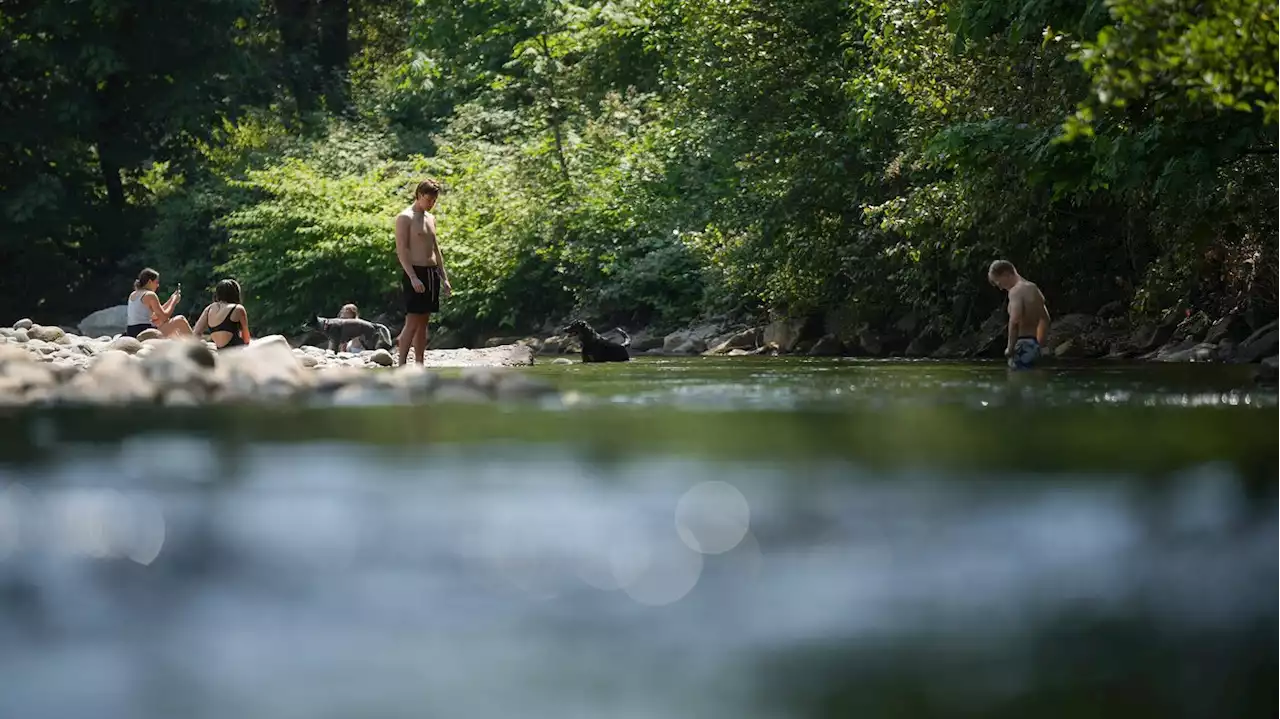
<point>1178,337</point>
<point>49,366</point>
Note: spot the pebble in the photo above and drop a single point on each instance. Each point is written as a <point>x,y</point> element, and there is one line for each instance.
<point>47,365</point>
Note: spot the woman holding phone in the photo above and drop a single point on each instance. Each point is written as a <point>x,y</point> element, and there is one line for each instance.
<point>144,310</point>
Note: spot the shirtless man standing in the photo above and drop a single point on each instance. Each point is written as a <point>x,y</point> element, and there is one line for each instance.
<point>424,277</point>
<point>1028,315</point>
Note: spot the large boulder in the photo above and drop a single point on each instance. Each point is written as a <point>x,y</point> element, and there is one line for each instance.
<point>517,355</point>
<point>1067,328</point>
<point>265,367</point>
<point>183,366</point>
<point>868,341</point>
<point>560,344</point>
<point>1111,310</point>
<point>691,341</point>
<point>827,346</point>
<point>1187,350</point>
<point>748,339</point>
<point>501,340</point>
<point>642,341</point>
<point>988,340</point>
<point>110,322</point>
<point>860,338</point>
<point>786,333</point>
<point>1082,336</point>
<point>1147,338</point>
<point>1262,343</point>
<point>926,341</point>
<point>1232,328</point>
<point>1194,327</point>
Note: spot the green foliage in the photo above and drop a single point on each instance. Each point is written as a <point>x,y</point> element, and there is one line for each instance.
<point>317,236</point>
<point>645,161</point>
<point>1167,54</point>
<point>93,95</point>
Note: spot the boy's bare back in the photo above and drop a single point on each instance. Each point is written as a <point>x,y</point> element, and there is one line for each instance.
<point>1027,307</point>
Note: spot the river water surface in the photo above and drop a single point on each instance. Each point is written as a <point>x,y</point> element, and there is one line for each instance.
<point>679,538</point>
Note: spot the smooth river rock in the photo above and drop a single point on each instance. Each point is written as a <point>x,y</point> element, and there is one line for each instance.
<point>46,365</point>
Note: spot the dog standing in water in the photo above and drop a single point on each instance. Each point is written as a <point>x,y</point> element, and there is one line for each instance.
<point>596,348</point>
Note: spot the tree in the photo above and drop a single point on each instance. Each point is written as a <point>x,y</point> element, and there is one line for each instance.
<point>93,94</point>
<point>1167,54</point>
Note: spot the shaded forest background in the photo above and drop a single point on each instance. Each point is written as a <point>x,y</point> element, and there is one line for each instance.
<point>644,162</point>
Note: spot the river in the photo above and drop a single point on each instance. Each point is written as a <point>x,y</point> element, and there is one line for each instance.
<point>743,537</point>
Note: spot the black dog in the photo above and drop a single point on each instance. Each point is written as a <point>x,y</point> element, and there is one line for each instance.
<point>596,348</point>
<point>339,330</point>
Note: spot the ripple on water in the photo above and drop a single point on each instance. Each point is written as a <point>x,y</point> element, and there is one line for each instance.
<point>496,572</point>
<point>719,384</point>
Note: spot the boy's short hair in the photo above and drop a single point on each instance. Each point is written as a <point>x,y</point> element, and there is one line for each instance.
<point>1001,267</point>
<point>427,187</point>
<point>349,309</point>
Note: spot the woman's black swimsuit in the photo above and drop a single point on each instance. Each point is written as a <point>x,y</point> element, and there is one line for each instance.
<point>227,325</point>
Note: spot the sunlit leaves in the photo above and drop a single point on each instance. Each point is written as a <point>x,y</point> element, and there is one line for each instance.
<point>1163,54</point>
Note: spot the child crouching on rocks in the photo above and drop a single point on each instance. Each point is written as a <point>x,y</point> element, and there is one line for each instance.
<point>350,312</point>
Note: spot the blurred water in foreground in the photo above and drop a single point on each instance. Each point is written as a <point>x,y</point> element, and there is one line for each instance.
<point>689,539</point>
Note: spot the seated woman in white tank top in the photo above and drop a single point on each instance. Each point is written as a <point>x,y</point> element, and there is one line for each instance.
<point>144,310</point>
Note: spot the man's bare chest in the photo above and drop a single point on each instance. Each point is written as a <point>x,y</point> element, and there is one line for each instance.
<point>423,228</point>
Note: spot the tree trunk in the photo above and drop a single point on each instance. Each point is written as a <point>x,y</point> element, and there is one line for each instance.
<point>111,178</point>
<point>108,132</point>
<point>334,51</point>
<point>553,114</point>
<point>297,51</point>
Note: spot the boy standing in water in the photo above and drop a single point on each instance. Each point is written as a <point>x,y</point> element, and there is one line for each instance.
<point>424,278</point>
<point>1028,315</point>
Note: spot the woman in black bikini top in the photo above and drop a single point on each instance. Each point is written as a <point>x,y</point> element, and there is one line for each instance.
<point>226,294</point>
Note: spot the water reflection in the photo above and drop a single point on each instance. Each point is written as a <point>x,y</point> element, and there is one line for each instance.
<point>331,579</point>
<point>797,383</point>
<point>849,539</point>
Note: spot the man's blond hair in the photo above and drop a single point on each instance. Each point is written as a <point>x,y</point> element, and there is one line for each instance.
<point>1001,267</point>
